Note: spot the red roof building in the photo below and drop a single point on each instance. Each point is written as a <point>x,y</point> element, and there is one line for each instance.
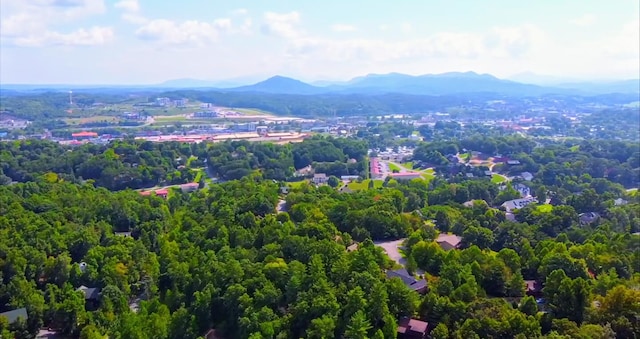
<point>412,328</point>
<point>163,192</point>
<point>85,135</point>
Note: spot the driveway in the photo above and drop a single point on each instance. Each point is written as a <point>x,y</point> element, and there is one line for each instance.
<point>281,206</point>
<point>393,250</point>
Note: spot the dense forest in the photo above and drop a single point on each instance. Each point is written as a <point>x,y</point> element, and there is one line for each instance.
<point>226,257</point>
<point>119,165</point>
<point>141,164</point>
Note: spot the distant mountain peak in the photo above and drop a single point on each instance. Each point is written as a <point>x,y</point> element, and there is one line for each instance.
<point>280,84</point>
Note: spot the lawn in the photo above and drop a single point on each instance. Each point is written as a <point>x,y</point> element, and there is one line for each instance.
<point>497,178</point>
<point>408,165</point>
<point>545,208</point>
<point>358,186</point>
<point>394,168</point>
<point>575,148</point>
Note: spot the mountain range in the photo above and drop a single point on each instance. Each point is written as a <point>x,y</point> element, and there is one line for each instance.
<point>434,84</point>
<point>452,83</point>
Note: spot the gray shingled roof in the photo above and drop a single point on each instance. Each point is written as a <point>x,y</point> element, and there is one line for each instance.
<point>12,316</point>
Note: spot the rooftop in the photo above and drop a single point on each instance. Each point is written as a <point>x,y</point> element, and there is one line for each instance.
<point>451,239</point>
<point>12,316</point>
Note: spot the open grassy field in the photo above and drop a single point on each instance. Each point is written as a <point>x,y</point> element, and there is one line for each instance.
<point>96,118</point>
<point>252,111</point>
<point>408,165</point>
<point>497,178</point>
<point>357,186</point>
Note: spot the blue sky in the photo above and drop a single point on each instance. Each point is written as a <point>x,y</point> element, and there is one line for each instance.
<point>146,42</point>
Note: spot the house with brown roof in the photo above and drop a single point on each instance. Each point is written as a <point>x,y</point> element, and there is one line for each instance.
<point>449,241</point>
<point>409,328</point>
<point>353,247</point>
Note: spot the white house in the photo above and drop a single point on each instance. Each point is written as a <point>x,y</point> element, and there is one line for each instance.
<point>320,178</point>
<point>517,204</point>
<point>526,176</point>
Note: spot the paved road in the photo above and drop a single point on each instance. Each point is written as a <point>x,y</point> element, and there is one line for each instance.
<point>393,250</point>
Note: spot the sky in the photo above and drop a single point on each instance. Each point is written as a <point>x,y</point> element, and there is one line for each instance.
<point>151,41</point>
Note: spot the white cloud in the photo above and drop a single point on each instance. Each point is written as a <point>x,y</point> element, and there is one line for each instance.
<point>131,12</point>
<point>188,32</point>
<point>131,6</point>
<point>343,28</point>
<point>585,20</point>
<point>282,24</point>
<point>503,42</point>
<point>82,37</point>
<point>33,22</point>
<point>625,44</point>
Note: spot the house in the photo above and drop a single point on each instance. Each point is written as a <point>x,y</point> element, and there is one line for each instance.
<point>524,190</point>
<point>91,297</point>
<point>517,204</point>
<point>122,234</point>
<point>488,173</point>
<point>409,328</point>
<point>533,288</point>
<point>620,202</point>
<point>587,218</point>
<point>353,247</point>
<point>526,176</point>
<point>163,192</point>
<point>469,175</point>
<point>513,162</point>
<point>14,315</point>
<point>449,241</point>
<point>349,177</point>
<point>189,187</point>
<point>419,286</point>
<point>320,178</point>
<point>303,171</point>
<point>284,189</point>
<point>469,203</point>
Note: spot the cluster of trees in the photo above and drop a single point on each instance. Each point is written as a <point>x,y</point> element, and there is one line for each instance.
<point>213,259</point>
<point>119,165</point>
<point>479,291</point>
<point>236,159</point>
